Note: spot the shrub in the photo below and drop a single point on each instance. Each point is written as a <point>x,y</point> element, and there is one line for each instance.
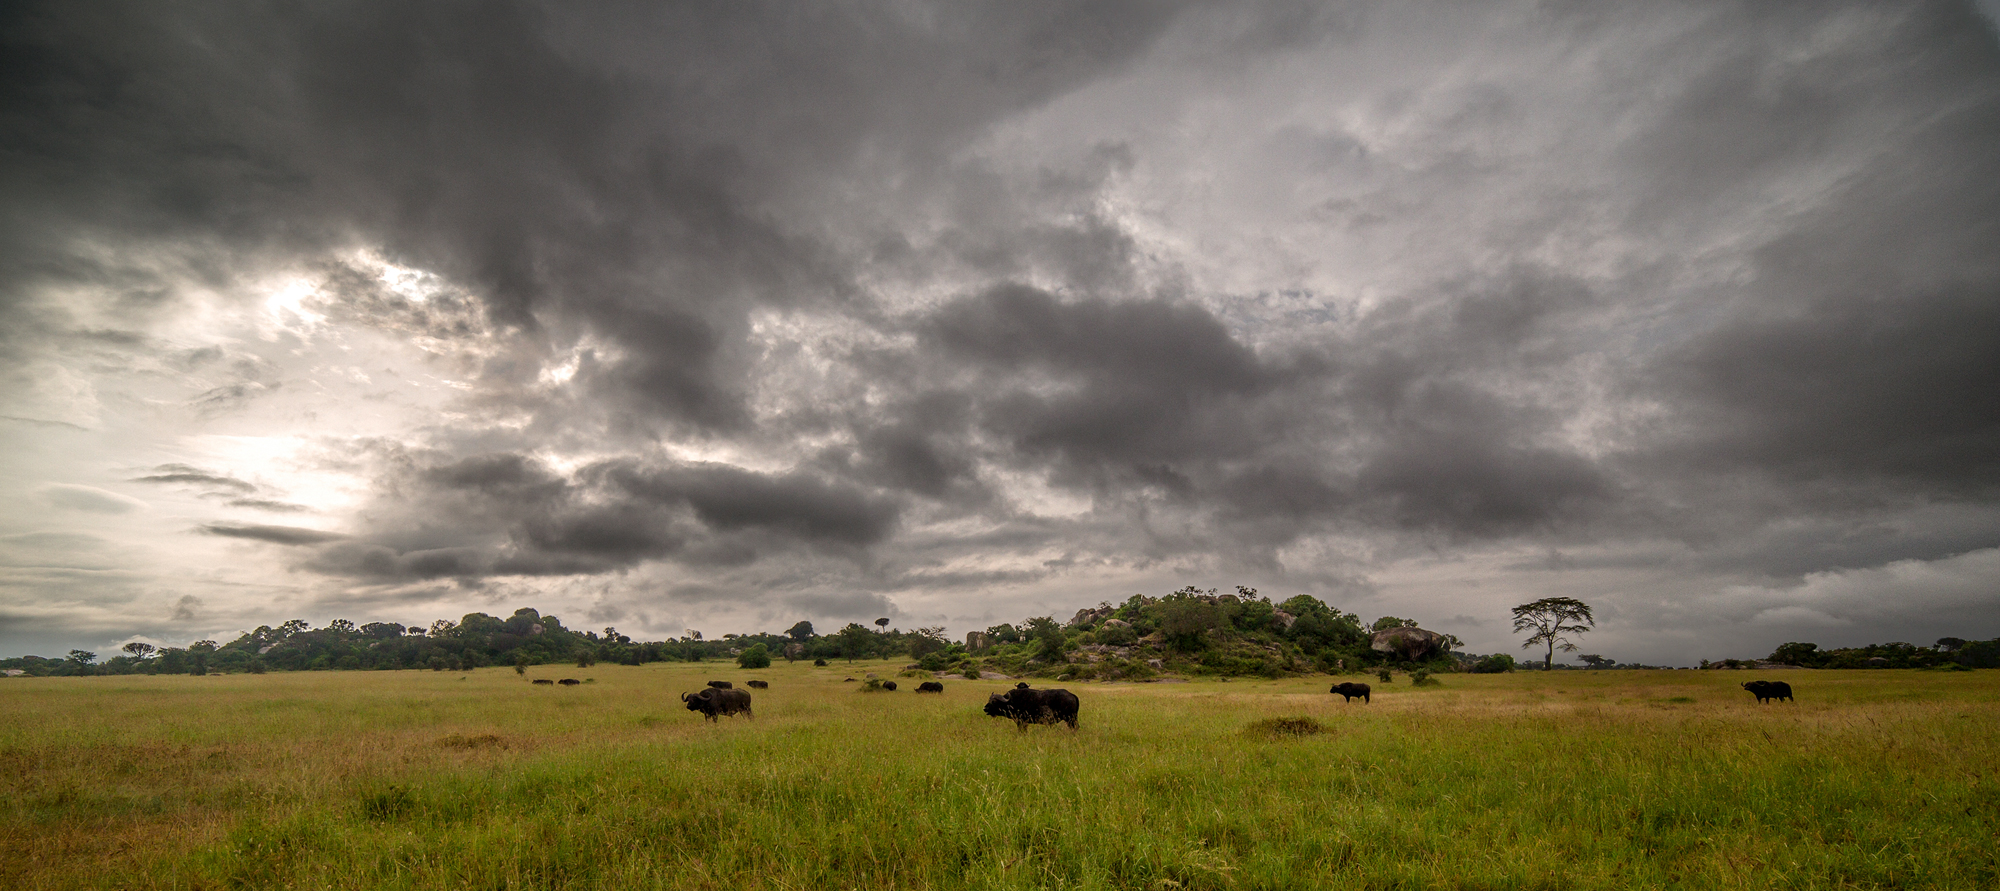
<point>1422,678</point>
<point>1273,728</point>
<point>819,663</point>
<point>1494,664</point>
<point>1382,674</point>
<point>755,657</point>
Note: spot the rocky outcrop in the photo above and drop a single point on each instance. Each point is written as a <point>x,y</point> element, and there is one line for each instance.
<point>977,640</point>
<point>1409,644</point>
<point>1091,615</point>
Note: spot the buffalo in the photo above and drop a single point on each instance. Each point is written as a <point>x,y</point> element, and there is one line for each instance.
<point>1764,690</point>
<point>722,685</point>
<point>1348,691</point>
<point>569,682</point>
<point>930,687</point>
<point>715,702</point>
<point>1026,706</point>
<point>889,686</point>
<point>545,681</point>
<point>758,685</point>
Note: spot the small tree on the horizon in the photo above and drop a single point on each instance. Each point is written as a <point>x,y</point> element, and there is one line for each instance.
<point>882,624</point>
<point>1552,619</point>
<point>139,649</point>
<point>755,657</point>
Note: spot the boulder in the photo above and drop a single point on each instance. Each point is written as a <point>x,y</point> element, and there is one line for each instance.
<point>1409,644</point>
<point>977,640</point>
<point>993,676</point>
<point>1284,619</point>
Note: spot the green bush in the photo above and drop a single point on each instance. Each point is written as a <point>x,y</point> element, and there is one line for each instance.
<point>755,657</point>
<point>1382,674</point>
<point>1494,664</point>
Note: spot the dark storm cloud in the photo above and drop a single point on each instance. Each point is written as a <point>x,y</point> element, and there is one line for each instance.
<point>954,288</point>
<point>1860,361</point>
<point>195,476</point>
<point>514,516</point>
<point>284,535</point>
<point>551,159</point>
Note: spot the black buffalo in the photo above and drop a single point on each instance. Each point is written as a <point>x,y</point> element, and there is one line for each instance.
<point>1349,690</point>
<point>569,682</point>
<point>1027,706</point>
<point>758,685</point>
<point>545,681</point>
<point>930,687</point>
<point>716,703</point>
<point>722,685</point>
<point>1764,690</point>
<point>889,686</point>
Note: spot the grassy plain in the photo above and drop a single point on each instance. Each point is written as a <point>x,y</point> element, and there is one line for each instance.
<point>1572,780</point>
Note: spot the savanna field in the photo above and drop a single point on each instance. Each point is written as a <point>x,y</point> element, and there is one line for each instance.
<point>1565,780</point>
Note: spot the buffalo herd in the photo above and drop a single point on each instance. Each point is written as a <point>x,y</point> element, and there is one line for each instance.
<point>1026,705</point>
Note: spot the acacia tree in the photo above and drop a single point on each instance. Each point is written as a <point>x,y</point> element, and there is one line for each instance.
<point>1552,619</point>
<point>139,649</point>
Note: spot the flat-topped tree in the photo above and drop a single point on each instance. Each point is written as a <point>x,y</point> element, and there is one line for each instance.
<point>1552,619</point>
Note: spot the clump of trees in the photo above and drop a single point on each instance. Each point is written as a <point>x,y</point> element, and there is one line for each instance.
<point>1193,631</point>
<point>1896,654</point>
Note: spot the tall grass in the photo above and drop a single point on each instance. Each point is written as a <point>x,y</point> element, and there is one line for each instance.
<point>430,780</point>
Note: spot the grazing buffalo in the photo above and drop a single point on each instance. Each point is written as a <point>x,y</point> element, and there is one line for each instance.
<point>889,686</point>
<point>1350,690</point>
<point>930,687</point>
<point>759,685</point>
<point>722,685</point>
<point>1027,706</point>
<point>545,681</point>
<point>715,702</point>
<point>1770,690</point>
<point>569,682</point>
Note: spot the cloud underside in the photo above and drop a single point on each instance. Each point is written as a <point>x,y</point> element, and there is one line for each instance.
<point>974,293</point>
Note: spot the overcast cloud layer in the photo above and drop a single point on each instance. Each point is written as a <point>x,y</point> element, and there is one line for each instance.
<point>723,316</point>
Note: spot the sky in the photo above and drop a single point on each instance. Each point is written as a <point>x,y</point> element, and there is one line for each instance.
<point>720,316</point>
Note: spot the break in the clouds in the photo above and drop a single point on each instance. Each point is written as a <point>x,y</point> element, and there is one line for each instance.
<point>731,315</point>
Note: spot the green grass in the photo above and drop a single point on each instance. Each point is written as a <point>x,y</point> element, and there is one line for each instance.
<point>1573,780</point>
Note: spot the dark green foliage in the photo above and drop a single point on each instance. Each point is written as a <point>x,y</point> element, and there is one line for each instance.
<point>1422,678</point>
<point>1382,674</point>
<point>1187,620</point>
<point>754,657</point>
<point>1494,664</point>
<point>1387,622</point>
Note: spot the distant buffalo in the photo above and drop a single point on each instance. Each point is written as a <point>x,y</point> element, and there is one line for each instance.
<point>715,702</point>
<point>721,685</point>
<point>889,686</point>
<point>1764,690</point>
<point>545,681</point>
<point>759,685</point>
<point>1027,706</point>
<point>930,687</point>
<point>1348,691</point>
<point>569,682</point>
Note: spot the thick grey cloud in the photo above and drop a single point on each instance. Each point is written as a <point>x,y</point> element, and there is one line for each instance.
<point>931,310</point>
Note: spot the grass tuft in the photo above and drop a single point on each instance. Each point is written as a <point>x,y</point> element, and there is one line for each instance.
<point>1271,728</point>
